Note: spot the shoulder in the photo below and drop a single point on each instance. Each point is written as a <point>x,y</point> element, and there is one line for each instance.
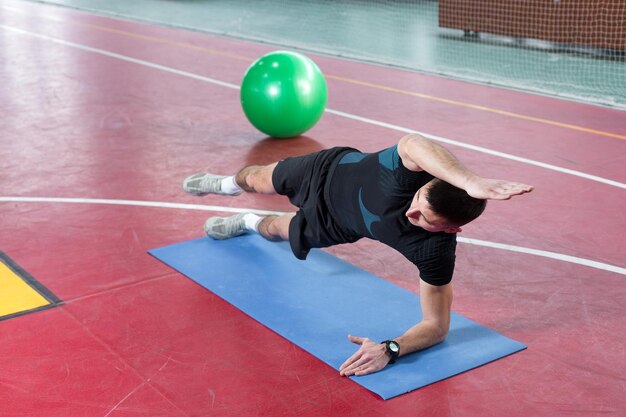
<point>435,257</point>
<point>436,244</point>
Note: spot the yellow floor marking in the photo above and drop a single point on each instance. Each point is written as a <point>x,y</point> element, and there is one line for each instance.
<point>16,295</point>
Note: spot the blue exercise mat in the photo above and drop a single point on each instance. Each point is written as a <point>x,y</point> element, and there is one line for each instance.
<point>316,303</point>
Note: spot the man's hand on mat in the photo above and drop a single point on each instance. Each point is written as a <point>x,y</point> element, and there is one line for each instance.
<point>495,189</point>
<point>370,357</point>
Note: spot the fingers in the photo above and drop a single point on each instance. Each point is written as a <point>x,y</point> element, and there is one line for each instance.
<point>369,358</point>
<point>364,370</point>
<point>354,368</point>
<point>525,188</point>
<point>497,189</point>
<point>506,190</point>
<point>349,363</point>
<point>518,188</point>
<point>356,339</point>
<point>362,366</point>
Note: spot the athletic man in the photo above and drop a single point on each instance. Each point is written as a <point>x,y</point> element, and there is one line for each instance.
<point>413,197</point>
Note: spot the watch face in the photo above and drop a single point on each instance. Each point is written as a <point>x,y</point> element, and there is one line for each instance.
<point>393,346</point>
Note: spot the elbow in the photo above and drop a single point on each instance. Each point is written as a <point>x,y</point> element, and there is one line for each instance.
<point>440,333</point>
<point>410,149</point>
<point>412,140</point>
<point>441,336</point>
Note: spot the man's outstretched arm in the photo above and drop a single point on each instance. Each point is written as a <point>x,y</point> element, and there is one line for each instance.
<point>421,154</point>
<point>436,304</point>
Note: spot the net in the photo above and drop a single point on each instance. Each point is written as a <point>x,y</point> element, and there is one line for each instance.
<point>573,49</point>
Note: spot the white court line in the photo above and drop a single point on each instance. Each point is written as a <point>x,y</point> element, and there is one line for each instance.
<point>495,245</point>
<point>483,150</point>
<point>545,254</point>
<point>552,255</point>
<point>123,57</point>
<point>335,112</point>
<point>157,204</point>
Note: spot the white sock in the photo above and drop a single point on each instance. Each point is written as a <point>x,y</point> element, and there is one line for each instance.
<point>252,221</point>
<point>229,186</point>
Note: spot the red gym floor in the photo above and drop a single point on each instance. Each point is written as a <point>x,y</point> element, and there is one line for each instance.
<point>103,118</point>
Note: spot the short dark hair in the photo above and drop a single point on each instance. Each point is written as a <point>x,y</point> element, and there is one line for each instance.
<point>454,204</point>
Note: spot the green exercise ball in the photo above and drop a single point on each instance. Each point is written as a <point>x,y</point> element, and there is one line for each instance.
<point>283,94</point>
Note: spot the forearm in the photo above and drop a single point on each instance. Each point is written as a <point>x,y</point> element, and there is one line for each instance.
<point>421,336</point>
<point>373,356</point>
<point>436,302</point>
<point>420,153</point>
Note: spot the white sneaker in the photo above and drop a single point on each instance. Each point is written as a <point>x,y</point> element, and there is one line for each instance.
<point>221,228</point>
<point>204,183</point>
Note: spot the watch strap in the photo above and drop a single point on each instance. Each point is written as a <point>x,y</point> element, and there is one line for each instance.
<point>393,353</point>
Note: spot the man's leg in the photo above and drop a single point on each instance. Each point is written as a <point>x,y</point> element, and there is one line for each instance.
<point>256,179</point>
<point>275,228</point>
<point>252,179</point>
<point>272,227</point>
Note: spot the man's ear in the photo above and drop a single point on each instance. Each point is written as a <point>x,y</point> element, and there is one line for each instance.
<point>453,230</point>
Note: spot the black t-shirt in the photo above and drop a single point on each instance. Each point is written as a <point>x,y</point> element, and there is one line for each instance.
<point>369,194</point>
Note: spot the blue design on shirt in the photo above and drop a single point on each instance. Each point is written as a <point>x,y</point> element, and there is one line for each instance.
<point>368,216</point>
<point>352,158</point>
<point>389,158</point>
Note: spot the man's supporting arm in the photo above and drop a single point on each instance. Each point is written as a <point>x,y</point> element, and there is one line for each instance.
<point>436,304</point>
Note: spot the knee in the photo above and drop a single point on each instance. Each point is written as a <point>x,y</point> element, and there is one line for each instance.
<point>260,179</point>
<point>268,228</point>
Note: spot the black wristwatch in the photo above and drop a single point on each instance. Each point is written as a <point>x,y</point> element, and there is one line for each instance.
<point>393,348</point>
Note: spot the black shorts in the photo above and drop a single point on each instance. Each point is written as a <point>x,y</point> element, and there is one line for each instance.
<point>303,180</point>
